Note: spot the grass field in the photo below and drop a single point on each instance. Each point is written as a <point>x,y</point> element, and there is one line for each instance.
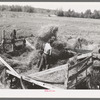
<point>30,23</point>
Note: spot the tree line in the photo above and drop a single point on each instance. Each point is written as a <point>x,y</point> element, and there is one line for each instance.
<point>70,13</point>
<point>17,8</point>
<point>87,14</point>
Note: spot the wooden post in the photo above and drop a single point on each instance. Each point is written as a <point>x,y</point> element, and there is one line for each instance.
<point>3,40</point>
<point>24,43</point>
<point>66,76</point>
<point>29,44</point>
<point>86,72</point>
<point>86,69</point>
<point>76,72</point>
<point>92,58</point>
<point>3,78</point>
<point>13,37</point>
<point>13,45</point>
<point>21,82</point>
<point>11,83</point>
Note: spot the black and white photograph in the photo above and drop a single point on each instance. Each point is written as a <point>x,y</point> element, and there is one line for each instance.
<point>49,46</point>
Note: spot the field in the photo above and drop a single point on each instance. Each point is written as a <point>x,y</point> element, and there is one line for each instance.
<point>31,23</point>
<point>27,23</point>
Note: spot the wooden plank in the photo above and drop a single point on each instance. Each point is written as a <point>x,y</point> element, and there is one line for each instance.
<point>65,66</point>
<point>29,44</point>
<point>80,63</point>
<point>42,84</point>
<point>11,63</point>
<point>9,67</point>
<point>51,70</point>
<point>45,81</point>
<point>74,84</point>
<point>11,73</point>
<point>84,55</point>
<point>83,65</point>
<point>79,72</point>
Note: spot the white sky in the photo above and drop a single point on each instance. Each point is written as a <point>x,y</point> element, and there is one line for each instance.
<point>77,6</point>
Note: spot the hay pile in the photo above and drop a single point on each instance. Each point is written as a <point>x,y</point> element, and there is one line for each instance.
<point>45,33</point>
<point>58,53</point>
<point>59,45</point>
<point>33,58</point>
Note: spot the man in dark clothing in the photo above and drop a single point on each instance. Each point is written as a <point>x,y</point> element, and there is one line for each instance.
<point>13,34</point>
<point>24,43</point>
<point>13,37</point>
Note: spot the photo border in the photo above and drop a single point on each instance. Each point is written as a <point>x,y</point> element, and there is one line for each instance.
<point>33,93</point>
<point>49,0</point>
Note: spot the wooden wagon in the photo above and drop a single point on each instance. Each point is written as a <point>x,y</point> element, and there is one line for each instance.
<point>60,77</point>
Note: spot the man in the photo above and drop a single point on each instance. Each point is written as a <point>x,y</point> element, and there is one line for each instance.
<point>77,44</point>
<point>44,61</point>
<point>24,43</point>
<point>13,37</point>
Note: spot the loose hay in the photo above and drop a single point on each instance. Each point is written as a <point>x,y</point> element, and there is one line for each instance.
<point>33,58</point>
<point>45,33</point>
<point>59,45</point>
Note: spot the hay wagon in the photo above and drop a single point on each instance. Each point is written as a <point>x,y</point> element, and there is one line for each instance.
<point>60,77</point>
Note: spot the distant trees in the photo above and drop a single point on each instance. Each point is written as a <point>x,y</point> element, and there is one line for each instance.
<point>87,14</point>
<point>28,9</point>
<point>59,12</point>
<point>81,15</point>
<point>4,8</point>
<point>71,13</point>
<point>96,14</point>
<point>17,8</point>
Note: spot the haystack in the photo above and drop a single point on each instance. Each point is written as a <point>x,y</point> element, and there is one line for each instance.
<point>33,58</point>
<point>58,52</point>
<point>45,33</point>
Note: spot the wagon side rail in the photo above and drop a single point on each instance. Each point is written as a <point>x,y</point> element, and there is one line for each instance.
<point>80,68</point>
<point>12,72</point>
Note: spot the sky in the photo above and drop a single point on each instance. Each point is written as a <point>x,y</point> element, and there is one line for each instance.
<point>77,6</point>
